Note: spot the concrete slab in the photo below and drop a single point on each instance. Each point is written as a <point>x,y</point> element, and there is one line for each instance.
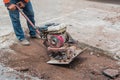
<point>91,27</point>
<point>95,27</point>
<point>7,73</point>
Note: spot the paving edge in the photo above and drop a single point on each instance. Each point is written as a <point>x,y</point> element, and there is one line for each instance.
<point>98,50</point>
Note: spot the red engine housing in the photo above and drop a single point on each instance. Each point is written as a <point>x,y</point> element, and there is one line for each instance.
<point>56,41</point>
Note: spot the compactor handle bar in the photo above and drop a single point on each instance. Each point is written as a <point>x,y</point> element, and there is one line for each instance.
<point>29,21</point>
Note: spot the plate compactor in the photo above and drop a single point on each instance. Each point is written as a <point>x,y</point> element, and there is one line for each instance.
<point>62,48</point>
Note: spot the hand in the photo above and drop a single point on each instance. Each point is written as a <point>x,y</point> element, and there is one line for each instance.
<point>21,4</point>
<point>12,7</point>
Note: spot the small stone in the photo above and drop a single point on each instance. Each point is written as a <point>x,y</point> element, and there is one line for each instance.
<point>118,63</point>
<point>96,72</point>
<point>97,45</point>
<point>118,55</point>
<point>112,73</point>
<point>98,55</point>
<point>91,53</point>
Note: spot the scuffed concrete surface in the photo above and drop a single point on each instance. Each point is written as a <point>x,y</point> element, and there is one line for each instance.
<point>94,23</point>
<point>7,73</point>
<point>5,29</point>
<point>91,26</point>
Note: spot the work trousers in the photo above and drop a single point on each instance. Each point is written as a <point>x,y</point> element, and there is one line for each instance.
<point>15,18</point>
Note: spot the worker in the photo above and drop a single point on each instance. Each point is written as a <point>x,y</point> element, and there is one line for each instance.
<point>27,8</point>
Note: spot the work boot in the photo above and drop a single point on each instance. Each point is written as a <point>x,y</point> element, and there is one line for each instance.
<point>25,42</point>
<point>37,36</point>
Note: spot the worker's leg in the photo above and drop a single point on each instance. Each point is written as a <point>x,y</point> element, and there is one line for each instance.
<point>28,10</point>
<point>14,15</point>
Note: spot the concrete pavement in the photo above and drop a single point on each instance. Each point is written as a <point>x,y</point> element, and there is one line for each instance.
<point>94,23</point>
